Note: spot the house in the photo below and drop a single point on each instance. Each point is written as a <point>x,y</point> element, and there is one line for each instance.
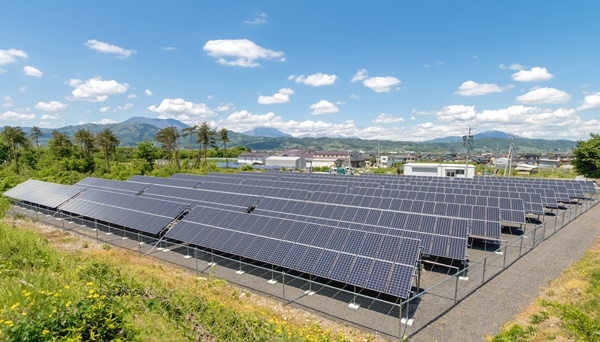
<point>547,162</point>
<point>253,158</point>
<point>329,158</point>
<point>438,170</point>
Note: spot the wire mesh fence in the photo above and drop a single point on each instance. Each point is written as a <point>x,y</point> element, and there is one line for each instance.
<point>389,317</point>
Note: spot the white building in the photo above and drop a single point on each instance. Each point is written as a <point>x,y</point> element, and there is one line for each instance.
<point>253,158</point>
<point>438,170</point>
<point>287,162</point>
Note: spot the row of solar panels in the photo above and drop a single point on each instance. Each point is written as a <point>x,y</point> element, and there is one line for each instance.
<point>377,260</point>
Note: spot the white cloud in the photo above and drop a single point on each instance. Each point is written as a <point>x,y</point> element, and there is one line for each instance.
<point>472,88</point>
<point>95,89</point>
<point>381,84</point>
<point>23,89</point>
<point>223,107</point>
<point>105,122</point>
<point>590,101</point>
<point>11,56</point>
<point>340,103</point>
<point>131,96</point>
<point>239,52</point>
<point>456,113</point>
<point>359,76</point>
<point>412,118</point>
<point>514,66</point>
<point>281,96</point>
<point>104,109</point>
<point>323,107</point>
<point>315,80</point>
<point>535,74</point>
<point>387,118</point>
<point>148,92</point>
<point>544,95</point>
<point>50,117</point>
<point>8,104</point>
<point>51,106</point>
<point>16,116</point>
<point>168,48</point>
<point>259,19</point>
<point>353,96</point>
<point>109,48</point>
<point>31,71</point>
<point>125,106</point>
<point>184,111</point>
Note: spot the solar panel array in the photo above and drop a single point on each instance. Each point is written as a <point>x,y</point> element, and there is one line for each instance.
<point>43,193</point>
<point>375,261</point>
<point>112,185</point>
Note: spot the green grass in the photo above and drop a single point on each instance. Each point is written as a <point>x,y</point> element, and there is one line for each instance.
<point>113,295</point>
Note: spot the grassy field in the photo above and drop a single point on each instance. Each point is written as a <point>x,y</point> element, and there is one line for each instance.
<point>567,310</point>
<point>57,286</point>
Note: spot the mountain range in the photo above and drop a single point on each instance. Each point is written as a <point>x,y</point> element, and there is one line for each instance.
<point>137,129</point>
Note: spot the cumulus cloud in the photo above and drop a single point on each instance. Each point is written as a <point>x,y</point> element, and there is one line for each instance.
<point>456,113</point>
<point>377,84</point>
<point>184,111</point>
<point>16,116</point>
<point>590,101</point>
<point>11,56</point>
<point>168,48</point>
<point>514,66</point>
<point>259,19</point>
<point>544,95</point>
<point>148,92</point>
<point>387,118</point>
<point>381,84</point>
<point>281,96</point>
<point>131,96</point>
<point>31,71</point>
<point>323,107</point>
<point>239,52</point>
<point>46,117</point>
<point>104,109</point>
<point>125,106</point>
<point>359,76</point>
<point>105,122</point>
<point>535,74</point>
<point>51,106</point>
<point>315,80</point>
<point>223,107</point>
<point>472,88</point>
<point>96,89</point>
<point>109,48</point>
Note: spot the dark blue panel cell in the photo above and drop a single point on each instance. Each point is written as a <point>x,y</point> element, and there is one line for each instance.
<point>379,276</point>
<point>360,272</point>
<point>343,265</point>
<point>325,263</point>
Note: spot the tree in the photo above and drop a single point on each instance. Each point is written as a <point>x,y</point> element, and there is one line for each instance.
<point>206,136</point>
<point>587,156</point>
<point>85,139</point>
<point>35,135</point>
<point>188,132</point>
<point>108,141</point>
<point>147,152</point>
<point>224,137</point>
<point>167,137</point>
<point>15,138</point>
<point>59,144</point>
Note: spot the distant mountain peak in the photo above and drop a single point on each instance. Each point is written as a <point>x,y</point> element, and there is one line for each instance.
<point>268,132</point>
<point>156,122</point>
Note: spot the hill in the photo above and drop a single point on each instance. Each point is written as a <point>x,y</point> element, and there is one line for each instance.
<point>137,129</point>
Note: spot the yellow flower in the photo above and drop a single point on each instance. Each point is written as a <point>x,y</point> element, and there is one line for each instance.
<point>89,283</point>
<point>24,314</point>
<point>91,291</point>
<point>96,295</point>
<point>9,322</point>
<point>15,305</point>
<point>45,331</point>
<point>54,311</point>
<point>68,304</point>
<point>50,315</point>
<point>67,287</point>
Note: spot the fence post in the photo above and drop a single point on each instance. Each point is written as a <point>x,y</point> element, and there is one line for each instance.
<point>533,240</point>
<point>283,283</point>
<point>456,288</point>
<point>521,247</point>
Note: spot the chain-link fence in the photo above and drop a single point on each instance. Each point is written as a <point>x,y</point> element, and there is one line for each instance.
<point>385,315</point>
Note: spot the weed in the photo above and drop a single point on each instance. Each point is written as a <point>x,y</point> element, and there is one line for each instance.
<point>106,247</point>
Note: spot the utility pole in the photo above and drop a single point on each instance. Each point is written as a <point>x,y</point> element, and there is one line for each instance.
<point>468,143</point>
<point>510,156</point>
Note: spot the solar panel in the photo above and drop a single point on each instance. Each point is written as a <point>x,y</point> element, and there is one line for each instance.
<point>47,194</point>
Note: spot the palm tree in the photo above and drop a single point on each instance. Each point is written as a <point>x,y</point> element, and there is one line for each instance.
<point>35,134</point>
<point>85,139</point>
<point>109,142</point>
<point>14,138</point>
<point>224,137</point>
<point>188,132</point>
<point>206,136</point>
<point>167,137</point>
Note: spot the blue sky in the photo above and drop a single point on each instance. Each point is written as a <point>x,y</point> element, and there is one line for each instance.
<point>398,70</point>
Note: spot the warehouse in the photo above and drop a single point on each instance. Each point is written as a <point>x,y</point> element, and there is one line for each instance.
<point>287,162</point>
<point>438,169</point>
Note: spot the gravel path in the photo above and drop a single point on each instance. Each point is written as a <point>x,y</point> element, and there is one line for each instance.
<point>498,301</point>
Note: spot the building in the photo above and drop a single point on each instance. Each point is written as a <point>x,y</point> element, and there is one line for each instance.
<point>287,162</point>
<point>253,158</point>
<point>329,158</point>
<point>438,170</point>
<point>546,162</point>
